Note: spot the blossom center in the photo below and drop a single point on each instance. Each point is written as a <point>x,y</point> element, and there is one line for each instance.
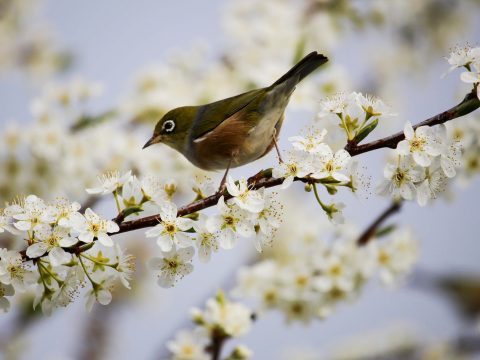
<point>229,220</point>
<point>336,270</point>
<point>399,177</point>
<point>292,168</point>
<point>52,241</point>
<point>187,350</point>
<point>329,166</point>
<point>417,144</point>
<point>94,227</point>
<point>383,258</point>
<point>170,228</point>
<point>172,264</point>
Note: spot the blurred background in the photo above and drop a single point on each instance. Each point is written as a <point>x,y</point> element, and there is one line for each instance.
<point>82,83</point>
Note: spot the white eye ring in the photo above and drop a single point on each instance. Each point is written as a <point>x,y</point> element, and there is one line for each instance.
<point>168,126</point>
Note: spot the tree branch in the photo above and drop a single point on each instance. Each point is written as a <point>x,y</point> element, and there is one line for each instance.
<point>369,232</point>
<point>469,103</point>
<point>264,178</point>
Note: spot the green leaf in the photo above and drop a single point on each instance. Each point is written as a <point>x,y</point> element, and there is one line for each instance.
<point>332,189</point>
<point>365,131</point>
<point>385,230</point>
<point>86,121</point>
<point>131,210</point>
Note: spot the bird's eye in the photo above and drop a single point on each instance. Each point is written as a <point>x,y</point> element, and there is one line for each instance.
<point>168,126</point>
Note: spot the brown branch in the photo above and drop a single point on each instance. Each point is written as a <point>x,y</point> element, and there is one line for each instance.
<point>216,345</point>
<point>469,103</point>
<point>264,178</point>
<point>369,232</point>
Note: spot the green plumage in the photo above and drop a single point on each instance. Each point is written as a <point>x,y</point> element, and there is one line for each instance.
<point>233,131</point>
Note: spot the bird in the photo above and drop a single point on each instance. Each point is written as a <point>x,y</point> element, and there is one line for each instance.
<point>234,131</point>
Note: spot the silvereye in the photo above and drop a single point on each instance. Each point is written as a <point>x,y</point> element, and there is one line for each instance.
<point>234,131</point>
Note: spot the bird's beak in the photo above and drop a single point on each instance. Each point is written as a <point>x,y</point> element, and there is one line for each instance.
<point>153,140</point>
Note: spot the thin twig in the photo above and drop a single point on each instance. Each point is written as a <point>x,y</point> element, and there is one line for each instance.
<point>369,232</point>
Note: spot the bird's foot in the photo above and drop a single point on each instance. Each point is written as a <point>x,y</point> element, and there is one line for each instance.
<point>280,160</point>
<point>221,189</point>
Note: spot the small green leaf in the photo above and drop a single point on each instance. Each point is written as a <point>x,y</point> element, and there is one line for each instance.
<point>86,121</point>
<point>131,210</point>
<point>385,230</point>
<point>363,133</point>
<point>332,189</point>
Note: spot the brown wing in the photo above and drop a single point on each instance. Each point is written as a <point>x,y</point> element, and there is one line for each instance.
<point>213,150</point>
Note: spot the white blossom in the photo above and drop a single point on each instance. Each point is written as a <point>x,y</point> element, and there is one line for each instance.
<point>229,223</point>
<point>125,265</point>
<point>189,345</point>
<point>296,165</point>
<point>451,152</point>
<point>52,241</point>
<point>246,198</point>
<point>372,105</point>
<point>434,183</point>
<point>6,224</point>
<point>172,265</point>
<point>395,259</point>
<point>132,194</point>
<point>206,241</point>
<point>335,274</point>
<point>5,290</point>
<point>472,78</point>
<point>267,222</point>
<point>92,226</point>
<point>400,178</point>
<point>332,165</point>
<point>420,143</point>
<point>66,213</point>
<point>203,186</point>
<point>334,105</point>
<point>463,56</point>
<point>234,319</point>
<point>110,182</point>
<point>171,230</point>
<point>14,271</point>
<point>34,213</point>
<point>101,292</point>
<point>312,143</point>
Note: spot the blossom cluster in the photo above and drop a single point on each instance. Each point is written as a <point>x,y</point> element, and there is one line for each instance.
<point>421,164</point>
<point>54,153</point>
<point>466,132</point>
<point>467,58</point>
<point>221,319</point>
<point>60,253</point>
<point>319,273</point>
<point>27,45</point>
<point>314,160</point>
<point>359,114</point>
<point>247,213</point>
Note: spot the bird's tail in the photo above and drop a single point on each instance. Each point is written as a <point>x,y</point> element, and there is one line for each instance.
<point>303,68</point>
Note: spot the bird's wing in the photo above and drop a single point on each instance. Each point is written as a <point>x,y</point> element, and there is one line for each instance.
<point>211,115</point>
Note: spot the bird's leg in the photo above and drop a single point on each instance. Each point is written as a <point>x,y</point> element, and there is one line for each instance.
<point>222,186</point>
<point>280,160</point>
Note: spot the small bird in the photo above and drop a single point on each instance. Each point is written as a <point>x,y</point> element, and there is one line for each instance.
<point>235,131</point>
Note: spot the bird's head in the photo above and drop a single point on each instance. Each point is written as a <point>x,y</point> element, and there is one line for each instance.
<point>173,128</point>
